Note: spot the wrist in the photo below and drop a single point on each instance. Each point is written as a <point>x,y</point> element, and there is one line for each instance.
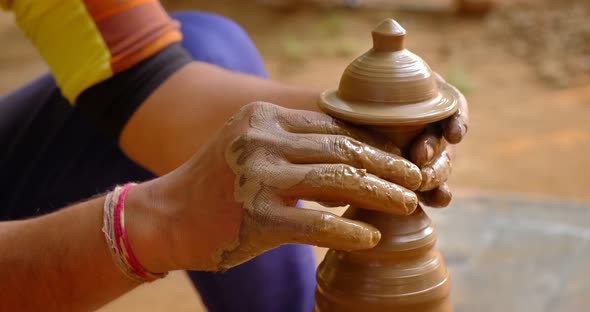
<point>147,230</point>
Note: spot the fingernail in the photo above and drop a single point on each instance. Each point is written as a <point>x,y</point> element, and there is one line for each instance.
<point>463,130</point>
<point>375,237</point>
<point>429,152</point>
<point>413,178</point>
<point>459,133</point>
<point>410,202</point>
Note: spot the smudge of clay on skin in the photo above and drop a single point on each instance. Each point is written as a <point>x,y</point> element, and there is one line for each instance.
<point>259,154</point>
<point>300,149</point>
<point>252,158</point>
<point>438,197</point>
<point>353,232</point>
<point>246,189</point>
<point>426,147</point>
<point>258,224</point>
<point>433,175</point>
<point>456,126</point>
<point>300,180</point>
<point>339,151</point>
<point>456,129</point>
<point>242,180</point>
<point>223,254</point>
<point>225,257</point>
<point>301,123</point>
<point>237,116</point>
<point>360,185</point>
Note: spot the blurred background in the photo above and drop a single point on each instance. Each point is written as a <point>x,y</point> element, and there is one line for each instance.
<point>517,235</point>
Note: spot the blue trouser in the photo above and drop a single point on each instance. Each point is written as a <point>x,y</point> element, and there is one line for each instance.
<point>52,156</point>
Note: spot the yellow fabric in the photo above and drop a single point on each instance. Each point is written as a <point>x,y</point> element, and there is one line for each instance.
<point>69,41</point>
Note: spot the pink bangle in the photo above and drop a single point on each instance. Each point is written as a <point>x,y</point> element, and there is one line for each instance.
<point>121,240</point>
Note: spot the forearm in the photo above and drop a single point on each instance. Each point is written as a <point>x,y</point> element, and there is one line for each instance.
<point>58,262</point>
<point>117,60</point>
<point>183,112</point>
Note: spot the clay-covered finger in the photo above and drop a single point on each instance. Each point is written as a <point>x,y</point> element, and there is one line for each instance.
<point>298,121</point>
<point>456,126</point>
<point>346,184</point>
<point>338,149</point>
<point>324,229</point>
<point>436,173</point>
<point>427,146</point>
<point>437,198</point>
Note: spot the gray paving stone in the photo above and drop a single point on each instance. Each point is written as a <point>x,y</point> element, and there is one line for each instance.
<point>510,254</point>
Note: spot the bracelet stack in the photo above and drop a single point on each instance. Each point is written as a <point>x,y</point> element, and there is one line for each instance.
<point>116,237</point>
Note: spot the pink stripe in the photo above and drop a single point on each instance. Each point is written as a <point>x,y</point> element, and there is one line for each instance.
<point>117,222</point>
<point>121,234</point>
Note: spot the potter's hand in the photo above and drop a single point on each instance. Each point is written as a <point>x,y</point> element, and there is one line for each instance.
<point>235,199</point>
<point>455,127</point>
<point>434,151</point>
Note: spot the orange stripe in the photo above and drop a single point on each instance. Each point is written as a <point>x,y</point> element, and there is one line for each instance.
<point>122,62</point>
<point>133,29</point>
<point>105,8</point>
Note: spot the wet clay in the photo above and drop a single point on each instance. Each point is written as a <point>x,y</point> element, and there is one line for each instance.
<point>390,86</point>
<point>283,155</point>
<point>391,91</point>
<point>402,273</point>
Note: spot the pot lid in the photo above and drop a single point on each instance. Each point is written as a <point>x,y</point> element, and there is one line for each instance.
<point>389,85</point>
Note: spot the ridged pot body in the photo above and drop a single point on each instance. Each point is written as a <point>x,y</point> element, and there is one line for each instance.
<point>404,272</point>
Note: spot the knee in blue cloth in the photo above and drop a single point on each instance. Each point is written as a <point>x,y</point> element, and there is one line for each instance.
<point>218,40</point>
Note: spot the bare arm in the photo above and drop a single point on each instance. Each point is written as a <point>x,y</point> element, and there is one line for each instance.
<point>61,262</point>
<point>183,112</point>
<point>58,262</point>
<point>216,211</point>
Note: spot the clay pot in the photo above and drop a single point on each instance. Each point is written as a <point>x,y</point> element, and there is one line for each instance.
<point>390,86</point>
<point>402,273</point>
<point>393,91</point>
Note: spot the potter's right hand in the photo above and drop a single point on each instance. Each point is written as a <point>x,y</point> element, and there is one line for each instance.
<point>434,150</point>
<point>235,198</point>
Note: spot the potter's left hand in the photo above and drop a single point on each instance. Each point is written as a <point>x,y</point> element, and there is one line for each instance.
<point>433,151</point>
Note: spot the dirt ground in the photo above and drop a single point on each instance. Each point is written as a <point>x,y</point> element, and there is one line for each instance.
<point>528,135</point>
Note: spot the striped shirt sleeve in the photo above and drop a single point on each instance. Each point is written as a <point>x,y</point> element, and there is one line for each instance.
<point>89,41</point>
